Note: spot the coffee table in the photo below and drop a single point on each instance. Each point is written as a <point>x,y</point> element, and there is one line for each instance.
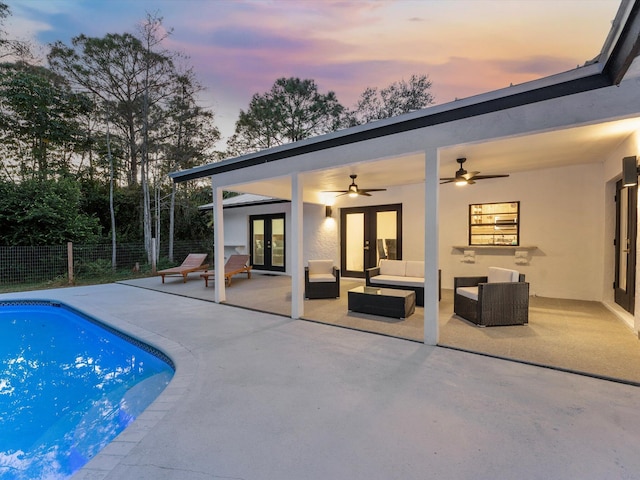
<point>388,302</point>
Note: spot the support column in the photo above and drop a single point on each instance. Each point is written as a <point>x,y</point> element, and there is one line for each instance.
<point>431,260</point>
<point>297,266</point>
<point>218,251</point>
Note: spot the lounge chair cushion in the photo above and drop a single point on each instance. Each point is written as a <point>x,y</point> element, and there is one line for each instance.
<point>497,275</point>
<point>321,271</point>
<point>469,292</point>
<point>393,267</point>
<point>320,267</point>
<point>321,277</point>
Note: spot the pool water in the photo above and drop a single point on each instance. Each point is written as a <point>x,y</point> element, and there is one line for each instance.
<point>68,386</point>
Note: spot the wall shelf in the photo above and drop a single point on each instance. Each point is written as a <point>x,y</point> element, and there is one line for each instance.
<point>484,248</point>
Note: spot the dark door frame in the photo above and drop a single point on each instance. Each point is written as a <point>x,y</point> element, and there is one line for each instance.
<point>369,241</point>
<point>625,297</point>
<point>268,242</point>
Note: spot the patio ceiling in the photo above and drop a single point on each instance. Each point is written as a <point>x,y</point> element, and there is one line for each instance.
<point>572,146</point>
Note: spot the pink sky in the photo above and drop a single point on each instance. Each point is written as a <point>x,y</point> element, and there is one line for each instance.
<point>241,47</point>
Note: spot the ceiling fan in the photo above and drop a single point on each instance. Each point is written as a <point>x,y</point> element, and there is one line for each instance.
<point>354,191</point>
<point>466,178</point>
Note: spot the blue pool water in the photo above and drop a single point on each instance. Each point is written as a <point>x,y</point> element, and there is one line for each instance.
<point>68,386</point>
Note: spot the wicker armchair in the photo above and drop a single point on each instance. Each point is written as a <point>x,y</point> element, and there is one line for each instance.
<point>497,301</point>
<point>321,279</point>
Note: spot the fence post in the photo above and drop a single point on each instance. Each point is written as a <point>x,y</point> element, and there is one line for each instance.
<point>70,261</point>
<point>153,256</point>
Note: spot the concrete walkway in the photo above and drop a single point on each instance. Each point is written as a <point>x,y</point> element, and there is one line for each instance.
<point>257,396</point>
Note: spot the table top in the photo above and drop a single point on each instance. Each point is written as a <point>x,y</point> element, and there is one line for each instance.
<point>385,292</point>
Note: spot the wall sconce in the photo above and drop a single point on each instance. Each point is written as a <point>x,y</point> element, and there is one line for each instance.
<point>629,171</point>
<point>327,211</point>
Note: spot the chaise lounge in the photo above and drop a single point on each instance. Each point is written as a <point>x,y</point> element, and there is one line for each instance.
<point>193,263</point>
<point>235,264</point>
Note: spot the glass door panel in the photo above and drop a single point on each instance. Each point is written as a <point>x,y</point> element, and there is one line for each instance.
<point>257,241</point>
<point>386,235</point>
<point>277,242</point>
<point>354,246</point>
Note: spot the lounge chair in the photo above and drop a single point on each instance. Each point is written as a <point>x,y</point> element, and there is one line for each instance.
<point>500,298</point>
<point>235,264</point>
<point>193,263</point>
<point>321,279</point>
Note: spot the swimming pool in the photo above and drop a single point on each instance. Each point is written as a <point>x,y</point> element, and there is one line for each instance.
<point>69,384</point>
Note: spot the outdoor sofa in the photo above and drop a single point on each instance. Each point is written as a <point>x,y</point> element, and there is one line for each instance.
<point>400,274</point>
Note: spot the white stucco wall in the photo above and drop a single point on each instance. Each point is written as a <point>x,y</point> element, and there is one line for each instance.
<point>561,213</point>
<point>320,233</point>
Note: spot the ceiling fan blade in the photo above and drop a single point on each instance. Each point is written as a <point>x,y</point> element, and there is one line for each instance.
<point>365,190</point>
<point>446,180</point>
<point>471,181</point>
<point>483,177</point>
<point>469,175</point>
<point>335,191</point>
<point>363,193</point>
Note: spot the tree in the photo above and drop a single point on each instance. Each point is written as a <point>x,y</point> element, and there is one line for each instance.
<point>10,47</point>
<point>44,212</point>
<point>124,73</point>
<point>140,86</point>
<point>396,99</point>
<point>292,110</point>
<point>39,118</point>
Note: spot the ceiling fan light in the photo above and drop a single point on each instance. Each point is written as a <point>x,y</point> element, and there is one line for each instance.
<point>353,190</point>
<point>461,181</point>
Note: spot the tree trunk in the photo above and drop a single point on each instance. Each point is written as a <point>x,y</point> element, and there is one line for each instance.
<point>111,207</point>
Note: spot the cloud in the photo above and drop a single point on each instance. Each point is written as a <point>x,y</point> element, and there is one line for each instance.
<point>254,39</point>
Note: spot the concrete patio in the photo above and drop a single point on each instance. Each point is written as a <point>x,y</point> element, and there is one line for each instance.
<point>259,396</point>
<point>577,336</point>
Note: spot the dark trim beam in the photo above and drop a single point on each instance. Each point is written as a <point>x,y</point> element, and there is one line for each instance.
<point>626,49</point>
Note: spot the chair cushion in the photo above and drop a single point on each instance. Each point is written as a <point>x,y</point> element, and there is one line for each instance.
<point>320,267</point>
<point>322,277</point>
<point>497,274</point>
<point>415,269</point>
<point>469,292</point>
<point>393,267</point>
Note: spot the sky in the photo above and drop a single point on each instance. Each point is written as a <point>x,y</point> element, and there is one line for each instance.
<point>240,47</point>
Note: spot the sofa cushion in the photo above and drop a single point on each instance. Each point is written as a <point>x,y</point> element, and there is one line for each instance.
<point>324,267</point>
<point>393,267</point>
<point>497,274</point>
<point>415,268</point>
<point>397,281</point>
<point>469,292</point>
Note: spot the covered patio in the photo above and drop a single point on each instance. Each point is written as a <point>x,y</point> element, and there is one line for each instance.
<point>560,139</point>
<point>570,335</point>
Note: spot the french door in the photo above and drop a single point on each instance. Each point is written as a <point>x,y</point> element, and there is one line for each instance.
<point>268,246</point>
<point>369,234</point>
<point>625,242</point>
